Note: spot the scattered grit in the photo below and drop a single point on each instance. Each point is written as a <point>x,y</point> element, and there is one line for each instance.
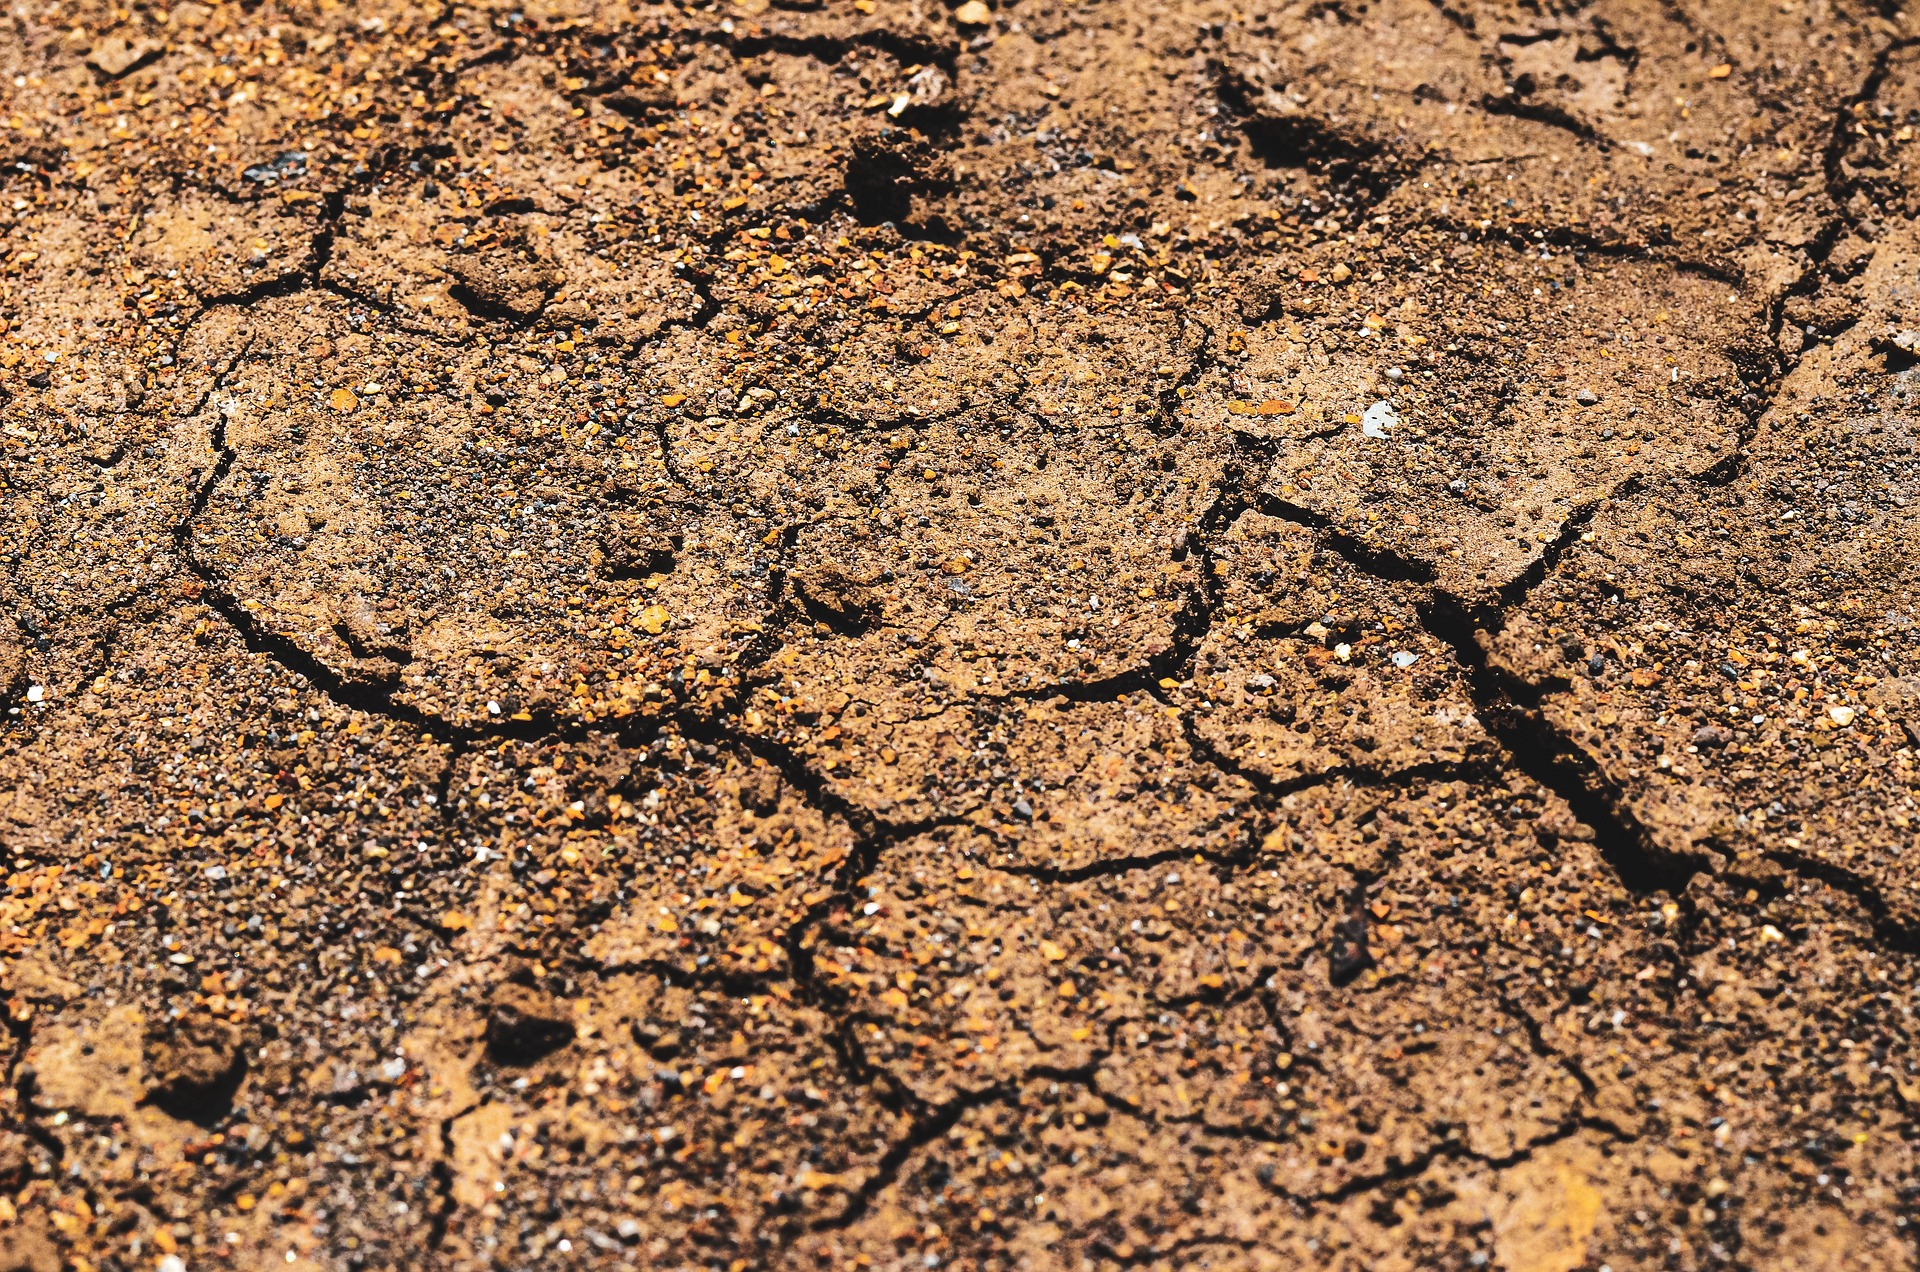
<point>845,634</point>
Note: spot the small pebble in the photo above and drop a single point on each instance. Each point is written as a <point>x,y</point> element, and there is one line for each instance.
<point>1378,418</point>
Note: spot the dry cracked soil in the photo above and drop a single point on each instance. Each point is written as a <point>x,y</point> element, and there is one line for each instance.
<point>853,634</point>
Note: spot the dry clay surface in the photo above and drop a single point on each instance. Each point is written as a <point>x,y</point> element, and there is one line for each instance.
<point>850,634</point>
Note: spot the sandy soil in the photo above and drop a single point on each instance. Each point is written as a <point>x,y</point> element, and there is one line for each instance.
<point>845,634</point>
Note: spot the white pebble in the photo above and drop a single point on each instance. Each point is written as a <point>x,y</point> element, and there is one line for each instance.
<point>1378,418</point>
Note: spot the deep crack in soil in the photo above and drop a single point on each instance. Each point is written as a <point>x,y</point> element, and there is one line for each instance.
<point>1007,635</point>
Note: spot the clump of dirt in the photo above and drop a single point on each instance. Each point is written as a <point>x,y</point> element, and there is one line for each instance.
<point>1002,635</point>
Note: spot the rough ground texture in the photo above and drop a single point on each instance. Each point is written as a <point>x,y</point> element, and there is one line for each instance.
<point>844,634</point>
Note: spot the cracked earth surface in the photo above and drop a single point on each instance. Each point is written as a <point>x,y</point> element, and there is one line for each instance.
<point>1029,635</point>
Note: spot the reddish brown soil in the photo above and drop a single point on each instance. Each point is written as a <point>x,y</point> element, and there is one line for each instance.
<point>851,635</point>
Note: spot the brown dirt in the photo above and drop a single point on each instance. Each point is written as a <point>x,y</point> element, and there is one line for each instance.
<point>856,635</point>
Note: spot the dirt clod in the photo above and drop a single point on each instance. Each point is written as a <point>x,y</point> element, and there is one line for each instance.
<point>194,1067</point>
<point>502,283</point>
<point>525,1023</point>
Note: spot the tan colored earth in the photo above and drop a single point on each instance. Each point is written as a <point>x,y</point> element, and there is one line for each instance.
<point>850,634</point>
